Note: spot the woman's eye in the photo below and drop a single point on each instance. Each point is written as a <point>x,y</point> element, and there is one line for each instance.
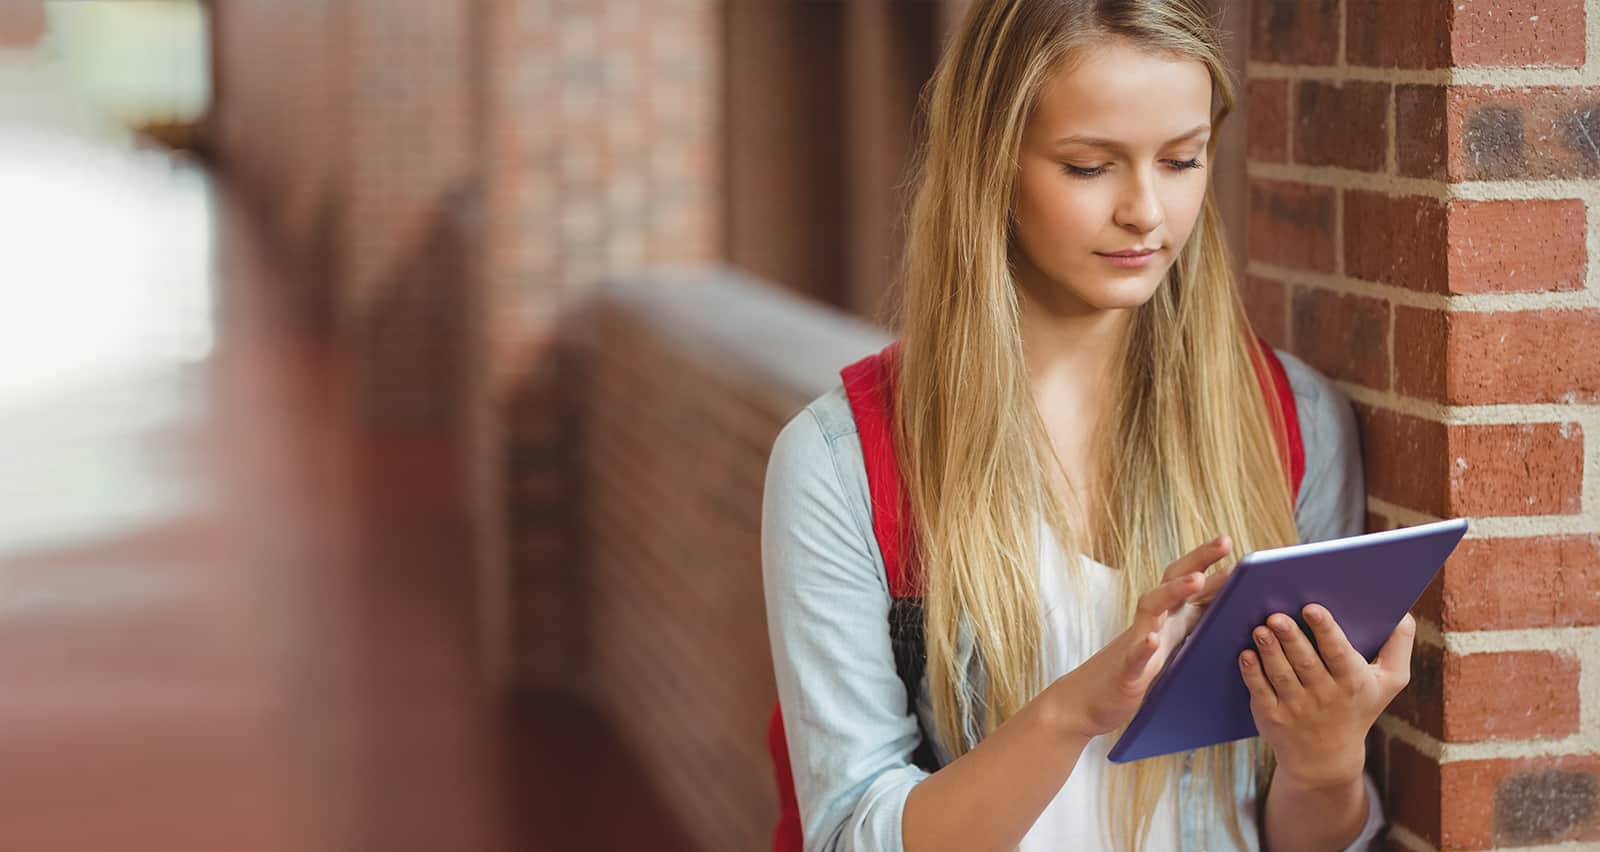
<point>1177,166</point>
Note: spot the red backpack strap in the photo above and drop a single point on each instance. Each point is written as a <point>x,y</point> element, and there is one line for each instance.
<point>869,384</point>
<point>788,836</point>
<point>1280,396</point>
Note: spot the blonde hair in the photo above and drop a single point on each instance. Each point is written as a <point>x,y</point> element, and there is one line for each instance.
<point>1179,465</point>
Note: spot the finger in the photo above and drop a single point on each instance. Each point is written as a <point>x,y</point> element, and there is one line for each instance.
<point>1298,651</point>
<point>1199,559</point>
<point>1343,661</point>
<point>1165,598</point>
<point>1214,582</point>
<point>1285,683</point>
<point>1256,681</point>
<point>1394,658</point>
<point>1139,657</point>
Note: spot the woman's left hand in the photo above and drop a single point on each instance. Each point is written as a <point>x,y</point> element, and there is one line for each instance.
<point>1315,710</point>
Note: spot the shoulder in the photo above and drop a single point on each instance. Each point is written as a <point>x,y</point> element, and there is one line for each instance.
<point>816,460</point>
<point>820,438</point>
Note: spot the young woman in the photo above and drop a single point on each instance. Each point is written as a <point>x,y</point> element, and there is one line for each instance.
<point>1080,436</point>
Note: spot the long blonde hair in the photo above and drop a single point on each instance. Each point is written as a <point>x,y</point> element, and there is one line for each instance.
<point>1185,451</point>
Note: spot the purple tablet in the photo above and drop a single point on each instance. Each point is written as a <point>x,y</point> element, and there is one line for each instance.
<point>1367,581</point>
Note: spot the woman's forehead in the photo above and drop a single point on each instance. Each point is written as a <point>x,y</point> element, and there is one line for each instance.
<point>1123,95</point>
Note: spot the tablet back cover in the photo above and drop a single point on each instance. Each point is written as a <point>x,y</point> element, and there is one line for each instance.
<point>1368,582</point>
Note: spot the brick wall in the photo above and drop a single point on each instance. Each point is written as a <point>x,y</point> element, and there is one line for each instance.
<point>686,382</point>
<point>279,120</point>
<point>602,150</point>
<point>349,123</point>
<point>451,176</point>
<point>1421,180</point>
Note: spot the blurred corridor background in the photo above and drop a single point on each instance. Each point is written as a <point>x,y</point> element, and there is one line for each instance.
<point>386,388</point>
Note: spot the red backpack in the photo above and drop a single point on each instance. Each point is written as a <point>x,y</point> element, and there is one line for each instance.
<point>869,384</point>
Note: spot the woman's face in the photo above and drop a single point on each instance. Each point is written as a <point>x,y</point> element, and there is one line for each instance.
<point>1113,159</point>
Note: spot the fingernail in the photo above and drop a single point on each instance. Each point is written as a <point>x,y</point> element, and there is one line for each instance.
<point>1278,625</point>
<point>1263,637</point>
<point>1244,660</point>
<point>1314,614</point>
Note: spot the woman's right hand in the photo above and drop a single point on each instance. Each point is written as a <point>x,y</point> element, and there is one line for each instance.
<point>1103,693</point>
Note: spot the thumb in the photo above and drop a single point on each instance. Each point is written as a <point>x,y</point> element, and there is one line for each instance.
<point>1394,658</point>
<point>1138,656</point>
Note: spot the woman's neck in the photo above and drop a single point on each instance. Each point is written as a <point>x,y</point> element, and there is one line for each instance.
<point>1070,353</point>
<point>1071,359</point>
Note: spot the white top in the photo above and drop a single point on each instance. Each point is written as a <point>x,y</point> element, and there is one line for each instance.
<point>1077,817</point>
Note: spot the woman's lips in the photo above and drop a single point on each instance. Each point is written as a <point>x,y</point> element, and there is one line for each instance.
<point>1130,261</point>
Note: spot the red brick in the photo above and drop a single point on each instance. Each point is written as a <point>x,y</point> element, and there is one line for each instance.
<point>1405,458</point>
<point>1267,137</point>
<point>1292,225</point>
<point>1480,33</point>
<point>1515,469</point>
<point>1414,791</point>
<point>1517,246</point>
<point>1530,801</point>
<point>1514,583</point>
<point>1378,763</point>
<point>1345,336</point>
<point>1342,125</point>
<point>1509,469</point>
<point>1484,357</point>
<point>1518,33</point>
<point>1266,303</point>
<point>1386,34</point>
<point>1420,131</point>
<point>1431,602</point>
<point>1296,32</point>
<point>1529,133</point>
<point>1493,696</point>
<point>1524,356</point>
<point>1421,353</point>
<point>1421,703</point>
<point>1399,240</point>
<point>1512,695</point>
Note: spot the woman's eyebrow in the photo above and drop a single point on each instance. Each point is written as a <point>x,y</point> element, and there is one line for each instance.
<point>1097,142</point>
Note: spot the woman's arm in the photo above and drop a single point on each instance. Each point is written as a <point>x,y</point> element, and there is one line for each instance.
<point>849,728</point>
<point>1315,705</point>
<point>991,796</point>
<point>1331,504</point>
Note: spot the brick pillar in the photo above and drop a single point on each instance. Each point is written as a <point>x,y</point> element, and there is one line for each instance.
<point>601,157</point>
<point>1420,178</point>
<point>21,23</point>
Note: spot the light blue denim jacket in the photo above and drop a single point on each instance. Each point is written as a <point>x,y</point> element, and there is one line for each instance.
<point>850,730</point>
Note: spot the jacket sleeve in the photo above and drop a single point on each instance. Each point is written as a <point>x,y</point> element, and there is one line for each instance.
<point>849,729</point>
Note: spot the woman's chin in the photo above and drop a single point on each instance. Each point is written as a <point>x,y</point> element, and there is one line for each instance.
<point>1121,294</point>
